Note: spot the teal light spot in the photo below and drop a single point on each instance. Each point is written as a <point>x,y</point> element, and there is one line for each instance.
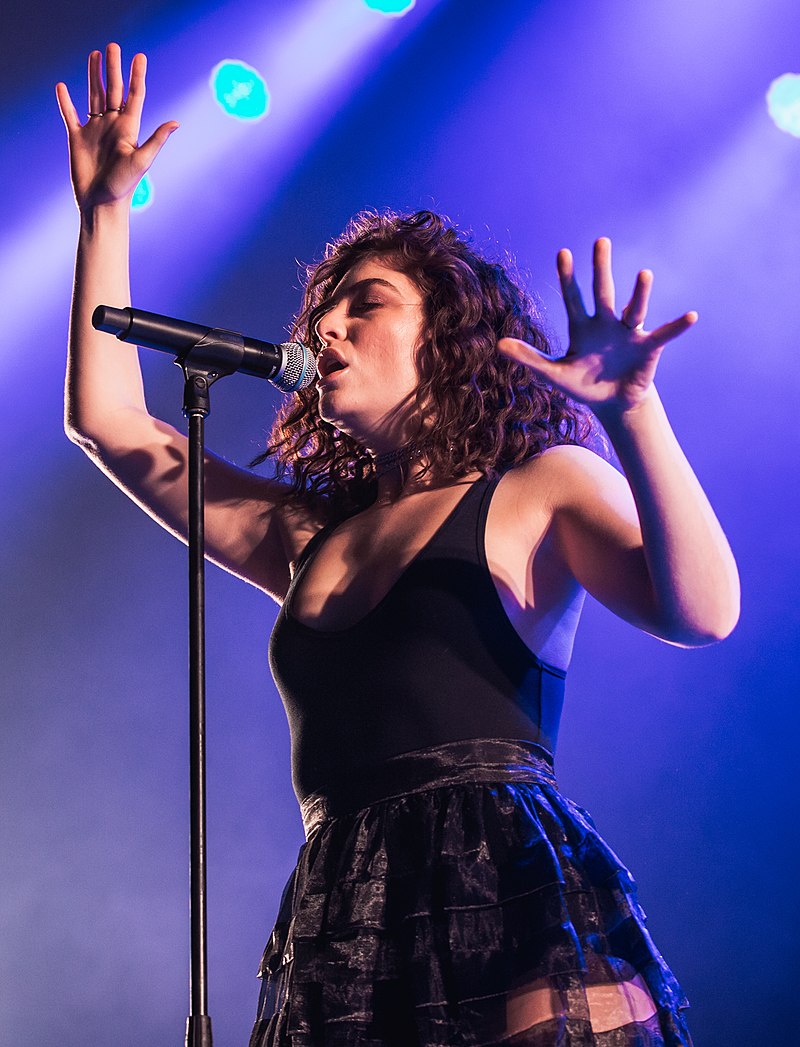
<point>783,103</point>
<point>142,195</point>
<point>239,90</point>
<point>392,8</point>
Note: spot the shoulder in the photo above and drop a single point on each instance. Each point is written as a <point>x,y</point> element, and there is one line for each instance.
<point>574,491</point>
<point>583,506</point>
<point>563,476</point>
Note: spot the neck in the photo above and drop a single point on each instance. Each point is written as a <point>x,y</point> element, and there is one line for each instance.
<point>400,471</point>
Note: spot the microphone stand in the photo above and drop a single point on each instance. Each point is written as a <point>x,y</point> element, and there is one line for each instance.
<point>204,355</point>
<point>202,365</point>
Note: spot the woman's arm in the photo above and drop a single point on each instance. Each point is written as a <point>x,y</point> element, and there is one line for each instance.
<point>652,549</point>
<point>105,409</point>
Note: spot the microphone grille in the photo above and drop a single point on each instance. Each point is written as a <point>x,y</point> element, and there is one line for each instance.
<point>299,368</point>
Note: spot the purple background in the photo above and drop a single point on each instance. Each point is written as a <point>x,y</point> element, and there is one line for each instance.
<point>537,125</point>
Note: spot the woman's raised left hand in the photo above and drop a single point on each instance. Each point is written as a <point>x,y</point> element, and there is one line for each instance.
<point>611,360</point>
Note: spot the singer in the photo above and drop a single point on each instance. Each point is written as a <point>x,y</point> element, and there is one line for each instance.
<point>435,520</point>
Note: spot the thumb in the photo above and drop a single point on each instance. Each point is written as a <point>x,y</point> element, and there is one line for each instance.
<point>150,149</point>
<point>523,353</point>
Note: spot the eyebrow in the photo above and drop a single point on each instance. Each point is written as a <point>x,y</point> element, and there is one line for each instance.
<point>348,292</point>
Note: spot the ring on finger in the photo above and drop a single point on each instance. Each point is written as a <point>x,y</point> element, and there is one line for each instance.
<point>630,326</point>
<point>116,108</point>
<point>90,115</point>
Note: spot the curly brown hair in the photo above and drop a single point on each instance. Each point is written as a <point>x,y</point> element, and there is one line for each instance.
<point>483,411</point>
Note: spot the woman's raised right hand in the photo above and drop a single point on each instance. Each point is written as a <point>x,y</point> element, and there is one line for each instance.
<point>106,161</point>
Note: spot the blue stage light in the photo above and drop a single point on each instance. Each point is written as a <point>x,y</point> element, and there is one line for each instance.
<point>393,8</point>
<point>783,103</point>
<point>142,195</point>
<point>239,90</point>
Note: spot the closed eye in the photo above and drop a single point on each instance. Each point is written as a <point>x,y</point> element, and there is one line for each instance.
<point>364,307</point>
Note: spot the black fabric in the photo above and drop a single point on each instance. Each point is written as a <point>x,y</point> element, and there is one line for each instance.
<point>422,919</point>
<point>436,661</point>
<point>446,887</point>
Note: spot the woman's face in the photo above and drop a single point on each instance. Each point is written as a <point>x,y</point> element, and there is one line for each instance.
<point>371,329</point>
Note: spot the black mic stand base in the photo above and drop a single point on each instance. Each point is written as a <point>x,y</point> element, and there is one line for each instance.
<point>198,1031</point>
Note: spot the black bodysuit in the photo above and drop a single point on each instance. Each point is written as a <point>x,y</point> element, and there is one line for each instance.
<point>436,661</point>
<point>445,880</point>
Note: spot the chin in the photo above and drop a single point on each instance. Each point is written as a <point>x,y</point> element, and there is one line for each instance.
<point>331,413</point>
<point>361,422</point>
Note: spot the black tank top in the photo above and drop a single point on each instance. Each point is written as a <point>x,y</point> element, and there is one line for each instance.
<point>436,661</point>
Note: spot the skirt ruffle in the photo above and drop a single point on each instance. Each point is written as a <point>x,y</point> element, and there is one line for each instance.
<point>428,914</point>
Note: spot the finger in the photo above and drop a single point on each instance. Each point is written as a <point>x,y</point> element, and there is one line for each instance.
<point>634,313</point>
<point>603,283</point>
<point>573,299</point>
<point>517,349</point>
<point>673,329</point>
<point>150,149</point>
<point>65,106</point>
<point>97,92</point>
<point>114,85</point>
<point>136,86</point>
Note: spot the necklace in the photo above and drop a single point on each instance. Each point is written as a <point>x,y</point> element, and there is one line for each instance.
<point>401,456</point>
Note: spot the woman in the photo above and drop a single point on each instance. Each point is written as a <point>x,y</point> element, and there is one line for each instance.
<point>431,549</point>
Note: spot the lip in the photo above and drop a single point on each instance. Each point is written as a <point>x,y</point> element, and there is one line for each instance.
<point>325,379</point>
<point>329,362</point>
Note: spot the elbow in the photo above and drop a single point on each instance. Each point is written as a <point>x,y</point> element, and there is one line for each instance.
<point>97,433</point>
<point>74,434</point>
<point>96,441</point>
<point>703,637</point>
<point>727,625</point>
<point>710,630</point>
<point>706,613</point>
<point>77,433</point>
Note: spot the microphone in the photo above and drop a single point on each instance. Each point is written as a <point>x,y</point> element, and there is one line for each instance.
<point>289,366</point>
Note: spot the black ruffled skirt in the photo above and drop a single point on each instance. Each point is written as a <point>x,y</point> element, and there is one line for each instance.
<point>454,897</point>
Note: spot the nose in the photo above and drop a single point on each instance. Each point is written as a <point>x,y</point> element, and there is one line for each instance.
<point>330,327</point>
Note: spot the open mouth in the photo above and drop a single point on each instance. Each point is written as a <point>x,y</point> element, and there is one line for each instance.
<point>329,362</point>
